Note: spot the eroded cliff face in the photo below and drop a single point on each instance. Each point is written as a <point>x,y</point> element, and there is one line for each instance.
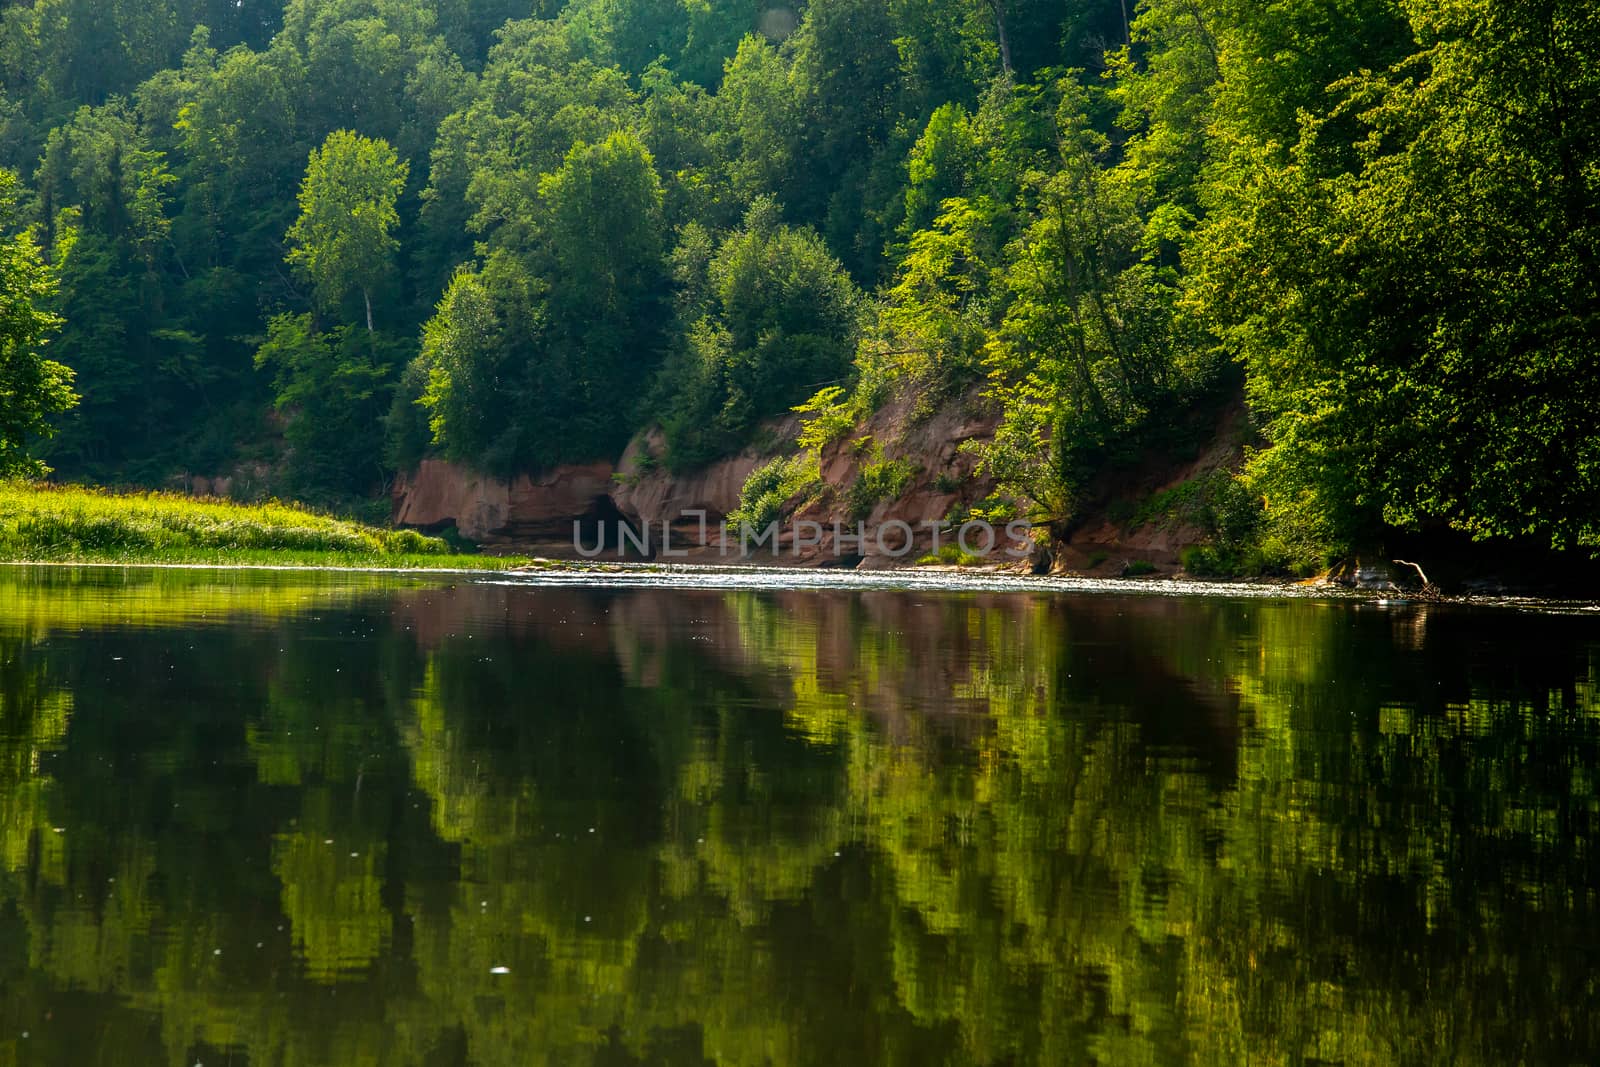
<point>1103,541</point>
<point>820,528</point>
<point>648,495</point>
<point>530,509</point>
<point>945,485</point>
<point>538,513</point>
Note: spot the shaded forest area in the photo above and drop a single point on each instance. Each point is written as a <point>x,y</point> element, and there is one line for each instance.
<point>330,237</point>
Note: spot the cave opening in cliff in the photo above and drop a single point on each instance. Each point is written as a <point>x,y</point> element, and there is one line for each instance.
<point>602,527</point>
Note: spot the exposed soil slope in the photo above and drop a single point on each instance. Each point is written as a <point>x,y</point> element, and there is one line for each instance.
<point>537,512</point>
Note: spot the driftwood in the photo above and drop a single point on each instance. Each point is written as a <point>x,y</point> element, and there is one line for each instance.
<point>1428,588</point>
<point>1415,567</point>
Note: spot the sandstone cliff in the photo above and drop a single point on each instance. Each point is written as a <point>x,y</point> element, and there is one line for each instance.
<point>537,513</point>
<point>530,509</point>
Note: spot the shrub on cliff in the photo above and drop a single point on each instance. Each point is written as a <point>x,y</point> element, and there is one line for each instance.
<point>773,485</point>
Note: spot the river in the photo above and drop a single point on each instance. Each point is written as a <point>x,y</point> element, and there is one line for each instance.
<point>648,817</point>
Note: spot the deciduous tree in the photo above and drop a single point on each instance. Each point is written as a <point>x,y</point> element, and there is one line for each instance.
<point>33,389</point>
<point>344,238</point>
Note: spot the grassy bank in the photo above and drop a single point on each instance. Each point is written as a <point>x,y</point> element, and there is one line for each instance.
<point>70,524</point>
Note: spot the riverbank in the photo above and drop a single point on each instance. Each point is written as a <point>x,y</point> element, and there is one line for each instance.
<point>704,577</point>
<point>77,525</point>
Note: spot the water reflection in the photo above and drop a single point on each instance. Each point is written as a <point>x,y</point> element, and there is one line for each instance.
<point>300,819</point>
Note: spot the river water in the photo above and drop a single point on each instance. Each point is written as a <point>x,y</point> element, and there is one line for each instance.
<point>297,818</point>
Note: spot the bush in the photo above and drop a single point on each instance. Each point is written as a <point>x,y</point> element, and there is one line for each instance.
<point>765,317</point>
<point>879,481</point>
<point>1270,557</point>
<point>829,418</point>
<point>952,556</point>
<point>1243,540</point>
<point>1218,502</point>
<point>770,487</point>
<point>997,510</point>
<point>1203,561</point>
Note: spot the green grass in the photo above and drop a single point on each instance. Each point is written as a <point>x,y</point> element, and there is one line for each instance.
<point>952,556</point>
<point>71,524</point>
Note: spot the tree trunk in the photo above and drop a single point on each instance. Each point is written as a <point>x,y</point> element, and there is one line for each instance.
<point>368,298</point>
<point>999,9</point>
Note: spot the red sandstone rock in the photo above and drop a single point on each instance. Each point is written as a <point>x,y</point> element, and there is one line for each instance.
<point>537,512</point>
<point>657,494</point>
<point>529,507</point>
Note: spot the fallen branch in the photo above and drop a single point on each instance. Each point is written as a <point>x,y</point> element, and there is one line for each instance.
<point>1415,567</point>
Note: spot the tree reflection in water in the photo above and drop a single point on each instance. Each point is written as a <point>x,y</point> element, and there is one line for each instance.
<point>308,820</point>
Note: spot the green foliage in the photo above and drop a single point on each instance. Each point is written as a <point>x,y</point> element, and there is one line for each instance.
<point>826,417</point>
<point>773,485</point>
<point>951,555</point>
<point>1209,561</point>
<point>33,389</point>
<point>344,239</point>
<point>331,388</point>
<point>104,193</point>
<point>535,367</point>
<point>471,364</point>
<point>1242,538</point>
<point>644,464</point>
<point>938,316</point>
<point>1410,288</point>
<point>996,510</point>
<point>1213,501</point>
<point>626,211</point>
<point>406,430</point>
<point>880,479</point>
<point>539,95</point>
<point>762,116</point>
<point>601,228</point>
<point>70,523</point>
<point>769,318</point>
<point>1092,343</point>
<point>1271,555</point>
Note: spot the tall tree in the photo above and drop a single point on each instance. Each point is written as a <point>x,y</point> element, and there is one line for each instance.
<point>33,389</point>
<point>344,237</point>
<point>333,386</point>
<point>540,358</point>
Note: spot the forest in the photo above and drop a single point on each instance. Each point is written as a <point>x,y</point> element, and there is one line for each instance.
<point>329,237</point>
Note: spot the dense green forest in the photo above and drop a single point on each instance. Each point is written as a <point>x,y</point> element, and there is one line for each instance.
<point>330,236</point>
